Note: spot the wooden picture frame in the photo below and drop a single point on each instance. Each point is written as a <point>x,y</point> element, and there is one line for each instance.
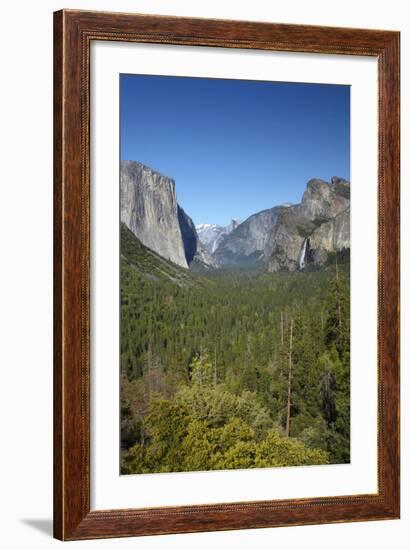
<point>74,32</point>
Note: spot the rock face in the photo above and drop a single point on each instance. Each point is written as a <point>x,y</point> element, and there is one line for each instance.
<point>322,200</point>
<point>306,233</point>
<point>194,249</point>
<point>189,235</point>
<point>150,210</point>
<point>331,236</point>
<point>283,247</point>
<point>246,243</point>
<point>287,237</point>
<point>233,224</point>
<point>291,236</point>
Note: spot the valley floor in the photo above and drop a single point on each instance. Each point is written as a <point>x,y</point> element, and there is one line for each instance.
<point>232,369</point>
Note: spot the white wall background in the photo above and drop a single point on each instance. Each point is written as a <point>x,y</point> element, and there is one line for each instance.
<point>26,270</point>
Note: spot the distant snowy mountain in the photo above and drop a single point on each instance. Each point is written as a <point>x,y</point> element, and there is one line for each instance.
<point>211,234</point>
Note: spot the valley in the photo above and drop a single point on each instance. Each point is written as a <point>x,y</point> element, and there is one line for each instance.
<point>235,340</point>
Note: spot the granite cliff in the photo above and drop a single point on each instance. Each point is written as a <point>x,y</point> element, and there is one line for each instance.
<point>286,237</point>
<point>291,236</point>
<point>307,232</point>
<point>246,243</point>
<point>195,251</point>
<point>149,208</point>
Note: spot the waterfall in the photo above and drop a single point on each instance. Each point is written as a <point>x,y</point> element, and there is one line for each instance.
<point>302,256</point>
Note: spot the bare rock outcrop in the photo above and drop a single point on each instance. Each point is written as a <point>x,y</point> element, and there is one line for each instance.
<point>308,232</point>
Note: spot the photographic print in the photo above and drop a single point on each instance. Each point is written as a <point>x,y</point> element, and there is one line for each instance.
<point>234,274</point>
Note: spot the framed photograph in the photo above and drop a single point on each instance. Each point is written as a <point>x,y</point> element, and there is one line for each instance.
<point>226,275</point>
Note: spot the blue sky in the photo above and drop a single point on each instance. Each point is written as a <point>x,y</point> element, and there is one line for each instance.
<point>235,147</point>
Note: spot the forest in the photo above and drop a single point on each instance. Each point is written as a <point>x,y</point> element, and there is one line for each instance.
<point>232,369</point>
